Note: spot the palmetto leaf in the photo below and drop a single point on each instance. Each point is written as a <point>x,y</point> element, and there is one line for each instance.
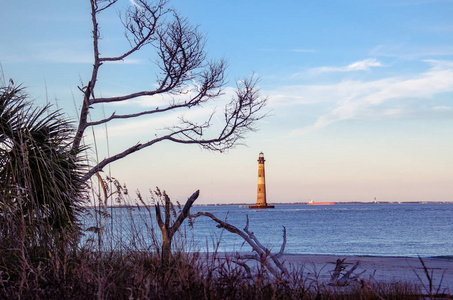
<point>40,175</point>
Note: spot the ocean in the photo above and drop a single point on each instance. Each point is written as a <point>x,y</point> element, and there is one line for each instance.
<point>409,230</point>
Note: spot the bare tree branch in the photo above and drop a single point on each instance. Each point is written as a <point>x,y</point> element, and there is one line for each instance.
<point>184,73</point>
<point>140,22</point>
<point>128,97</point>
<point>88,91</point>
<point>212,80</point>
<point>128,151</point>
<point>239,118</point>
<point>106,5</point>
<point>129,116</point>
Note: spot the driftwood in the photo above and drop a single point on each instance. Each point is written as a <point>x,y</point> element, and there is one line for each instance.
<point>262,253</point>
<point>341,278</point>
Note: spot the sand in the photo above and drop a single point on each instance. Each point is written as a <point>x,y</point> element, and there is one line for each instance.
<point>375,269</point>
<point>380,269</point>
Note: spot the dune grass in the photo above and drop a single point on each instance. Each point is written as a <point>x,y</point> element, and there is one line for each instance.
<point>99,267</point>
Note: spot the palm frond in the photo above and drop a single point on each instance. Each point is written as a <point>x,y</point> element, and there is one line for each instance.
<point>40,173</point>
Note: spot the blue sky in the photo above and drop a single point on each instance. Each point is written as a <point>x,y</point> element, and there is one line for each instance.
<point>360,95</point>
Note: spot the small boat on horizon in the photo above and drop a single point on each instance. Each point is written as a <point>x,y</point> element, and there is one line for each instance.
<point>311,202</point>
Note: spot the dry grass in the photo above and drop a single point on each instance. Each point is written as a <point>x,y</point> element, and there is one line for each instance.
<point>119,257</point>
<point>101,267</point>
<point>140,275</point>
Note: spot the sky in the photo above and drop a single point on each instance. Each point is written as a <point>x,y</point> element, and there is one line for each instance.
<point>360,96</point>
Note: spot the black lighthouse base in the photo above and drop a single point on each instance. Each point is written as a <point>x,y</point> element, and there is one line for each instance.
<point>261,206</point>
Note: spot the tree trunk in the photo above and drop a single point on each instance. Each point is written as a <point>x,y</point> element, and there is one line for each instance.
<point>166,250</point>
<point>164,225</point>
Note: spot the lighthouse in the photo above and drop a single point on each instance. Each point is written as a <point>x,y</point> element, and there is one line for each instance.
<point>261,192</point>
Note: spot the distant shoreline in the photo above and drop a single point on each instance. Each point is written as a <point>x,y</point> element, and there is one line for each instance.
<point>246,205</point>
<point>335,203</point>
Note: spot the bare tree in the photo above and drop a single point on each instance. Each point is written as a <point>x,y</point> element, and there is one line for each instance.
<point>182,66</point>
<point>168,230</point>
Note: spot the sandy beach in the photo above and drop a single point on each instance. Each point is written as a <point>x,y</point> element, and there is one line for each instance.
<point>380,269</point>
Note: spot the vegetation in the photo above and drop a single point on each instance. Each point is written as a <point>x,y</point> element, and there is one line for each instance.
<point>41,184</point>
<point>51,247</point>
<point>120,258</point>
<point>39,171</point>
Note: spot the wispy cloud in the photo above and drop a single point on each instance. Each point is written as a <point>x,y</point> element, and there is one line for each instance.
<point>401,50</point>
<point>442,108</point>
<point>377,99</point>
<point>363,65</point>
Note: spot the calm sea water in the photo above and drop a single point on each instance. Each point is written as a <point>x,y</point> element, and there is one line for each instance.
<point>365,229</point>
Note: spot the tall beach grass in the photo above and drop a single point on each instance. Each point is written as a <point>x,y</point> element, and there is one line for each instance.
<point>119,258</point>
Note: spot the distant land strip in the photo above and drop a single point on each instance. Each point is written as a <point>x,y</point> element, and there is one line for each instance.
<point>294,203</point>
